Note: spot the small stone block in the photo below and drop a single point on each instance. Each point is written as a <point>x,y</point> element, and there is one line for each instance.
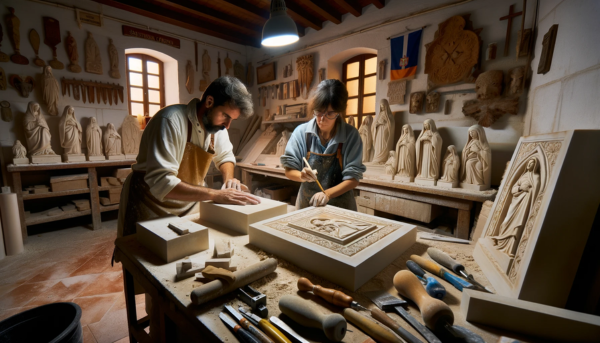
<point>223,249</point>
<point>239,218</point>
<point>96,158</point>
<point>130,156</point>
<point>444,184</point>
<point>122,172</point>
<point>42,159</point>
<point>232,268</point>
<point>18,161</point>
<point>218,262</point>
<point>175,227</point>
<point>425,182</point>
<point>184,273</point>
<point>115,157</point>
<point>404,178</point>
<point>201,278</point>
<point>105,201</point>
<point>73,158</point>
<point>474,187</point>
<point>69,185</point>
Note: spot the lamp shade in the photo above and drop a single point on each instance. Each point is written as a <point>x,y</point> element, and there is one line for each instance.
<point>280,29</point>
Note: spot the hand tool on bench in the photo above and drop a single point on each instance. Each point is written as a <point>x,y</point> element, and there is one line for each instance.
<point>255,299</point>
<point>246,324</point>
<point>387,302</point>
<point>432,286</point>
<point>331,295</point>
<point>370,327</point>
<point>450,263</point>
<point>265,326</point>
<point>436,314</point>
<point>309,167</point>
<point>243,335</point>
<point>308,314</point>
<point>435,269</point>
<point>278,323</point>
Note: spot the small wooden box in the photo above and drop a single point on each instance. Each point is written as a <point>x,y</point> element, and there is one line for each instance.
<point>69,182</point>
<point>167,244</point>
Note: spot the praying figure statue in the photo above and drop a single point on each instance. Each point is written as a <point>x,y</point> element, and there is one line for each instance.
<point>19,150</point>
<point>523,195</point>
<point>405,155</point>
<point>390,164</point>
<point>70,132</point>
<point>476,168</point>
<point>383,133</point>
<point>111,141</point>
<point>450,166</point>
<point>37,131</point>
<point>429,145</point>
<point>367,139</point>
<point>113,55</point>
<point>93,135</point>
<point>50,95</point>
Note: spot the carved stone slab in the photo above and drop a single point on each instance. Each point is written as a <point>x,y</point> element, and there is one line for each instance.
<point>396,92</point>
<point>238,218</point>
<point>348,264</point>
<point>539,224</point>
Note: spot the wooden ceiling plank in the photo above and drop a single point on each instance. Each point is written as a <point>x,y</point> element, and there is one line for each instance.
<point>247,7</point>
<point>302,17</point>
<point>351,6</point>
<point>378,3</point>
<point>323,9</point>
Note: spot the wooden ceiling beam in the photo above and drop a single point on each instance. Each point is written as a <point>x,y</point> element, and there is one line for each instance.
<point>323,9</point>
<point>302,17</point>
<point>378,3</point>
<point>351,6</point>
<point>246,7</point>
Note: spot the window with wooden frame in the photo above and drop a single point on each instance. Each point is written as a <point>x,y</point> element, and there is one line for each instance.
<point>360,77</point>
<point>145,85</point>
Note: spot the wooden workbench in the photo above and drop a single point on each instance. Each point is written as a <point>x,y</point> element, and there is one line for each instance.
<point>380,195</point>
<point>201,323</point>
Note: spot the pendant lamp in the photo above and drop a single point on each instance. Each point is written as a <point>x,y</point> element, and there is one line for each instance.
<point>280,29</point>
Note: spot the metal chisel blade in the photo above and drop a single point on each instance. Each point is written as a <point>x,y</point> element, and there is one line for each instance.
<point>422,329</point>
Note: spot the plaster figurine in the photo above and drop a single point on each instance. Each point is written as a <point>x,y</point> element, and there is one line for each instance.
<point>381,71</point>
<point>13,24</point>
<point>450,166</point>
<point>390,164</point>
<point>6,112</point>
<point>282,143</point>
<point>366,138</point>
<point>516,80</point>
<point>131,136</point>
<point>416,102</point>
<point>71,45</point>
<point>428,148</point>
<point>51,90</point>
<point>488,106</point>
<point>433,102</point>
<point>205,71</point>
<point>113,55</point>
<point>93,61</point>
<point>524,192</point>
<point>383,133</point>
<point>406,155</point>
<point>37,131</point>
<point>19,150</point>
<point>70,132</point>
<point>189,77</point>
<point>111,141</point>
<point>93,138</point>
<point>476,160</point>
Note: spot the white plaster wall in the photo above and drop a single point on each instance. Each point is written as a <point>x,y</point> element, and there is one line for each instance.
<point>30,13</point>
<point>503,135</point>
<point>567,97</point>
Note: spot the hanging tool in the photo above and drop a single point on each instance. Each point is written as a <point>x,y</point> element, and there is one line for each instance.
<point>435,269</point>
<point>278,323</point>
<point>306,313</point>
<point>370,327</point>
<point>432,286</point>
<point>385,302</point>
<point>243,335</point>
<point>331,295</point>
<point>436,314</point>
<point>318,183</point>
<point>255,299</point>
<point>246,324</point>
<point>450,263</point>
<point>265,326</point>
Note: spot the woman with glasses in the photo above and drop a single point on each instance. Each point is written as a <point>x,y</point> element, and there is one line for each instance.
<point>333,149</point>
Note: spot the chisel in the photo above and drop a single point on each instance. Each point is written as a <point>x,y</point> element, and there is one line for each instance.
<point>433,268</point>
<point>378,332</point>
<point>432,286</point>
<point>265,326</point>
<point>243,335</point>
<point>450,263</point>
<point>288,330</point>
<point>246,324</point>
<point>331,295</point>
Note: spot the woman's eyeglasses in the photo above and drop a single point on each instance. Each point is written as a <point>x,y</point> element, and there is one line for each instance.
<point>328,115</point>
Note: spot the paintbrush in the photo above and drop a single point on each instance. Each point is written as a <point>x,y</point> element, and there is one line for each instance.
<point>318,183</point>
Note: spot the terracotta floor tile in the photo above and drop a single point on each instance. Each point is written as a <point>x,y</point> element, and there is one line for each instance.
<point>105,283</point>
<point>64,290</point>
<point>95,307</point>
<point>23,294</point>
<point>140,299</point>
<point>113,327</point>
<point>22,274</point>
<point>88,337</point>
<point>63,269</point>
<point>7,288</point>
<point>99,263</point>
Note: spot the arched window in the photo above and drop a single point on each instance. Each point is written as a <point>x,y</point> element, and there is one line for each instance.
<point>145,84</point>
<point>360,76</point>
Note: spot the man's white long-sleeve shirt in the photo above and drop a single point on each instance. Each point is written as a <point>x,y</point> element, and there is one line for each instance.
<point>163,143</point>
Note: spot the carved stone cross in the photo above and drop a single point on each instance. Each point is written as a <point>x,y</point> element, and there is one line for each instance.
<point>509,17</point>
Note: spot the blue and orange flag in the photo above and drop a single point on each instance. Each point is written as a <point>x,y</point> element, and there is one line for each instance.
<point>405,55</point>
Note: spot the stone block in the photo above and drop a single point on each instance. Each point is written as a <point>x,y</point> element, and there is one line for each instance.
<point>115,157</point>
<point>238,218</point>
<point>23,160</point>
<point>43,159</point>
<point>69,185</point>
<point>73,158</point>
<point>96,158</point>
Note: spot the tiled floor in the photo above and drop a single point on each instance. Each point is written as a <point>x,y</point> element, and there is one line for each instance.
<point>70,265</point>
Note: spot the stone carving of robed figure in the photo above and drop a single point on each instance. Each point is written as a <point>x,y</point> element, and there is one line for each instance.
<point>429,151</point>
<point>476,170</point>
<point>405,155</point>
<point>70,132</point>
<point>383,133</point>
<point>37,131</point>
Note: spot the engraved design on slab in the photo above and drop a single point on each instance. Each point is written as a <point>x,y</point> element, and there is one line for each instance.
<point>358,244</point>
<point>339,229</point>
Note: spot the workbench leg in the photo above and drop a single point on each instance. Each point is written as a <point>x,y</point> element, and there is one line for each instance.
<point>18,188</point>
<point>157,321</point>
<point>130,304</point>
<point>95,199</point>
<point>247,180</point>
<point>463,224</point>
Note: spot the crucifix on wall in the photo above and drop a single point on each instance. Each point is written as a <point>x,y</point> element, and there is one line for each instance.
<point>511,15</point>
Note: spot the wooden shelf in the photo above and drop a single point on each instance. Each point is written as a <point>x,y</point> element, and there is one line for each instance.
<point>109,207</point>
<point>53,166</point>
<point>107,188</point>
<point>296,120</point>
<point>44,219</point>
<point>56,194</point>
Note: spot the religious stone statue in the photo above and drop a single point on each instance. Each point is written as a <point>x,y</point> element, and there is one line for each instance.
<point>19,150</point>
<point>281,144</point>
<point>416,102</point>
<point>71,45</point>
<point>450,168</point>
<point>523,195</point>
<point>132,135</point>
<point>93,136</point>
<point>476,170</point>
<point>428,147</point>
<point>351,121</point>
<point>366,138</point>
<point>488,106</point>
<point>433,102</point>
<point>405,155</point>
<point>93,62</point>
<point>51,90</point>
<point>70,132</point>
<point>113,55</point>
<point>37,131</point>
<point>390,164</point>
<point>383,133</point>
<point>111,141</point>
<point>516,80</point>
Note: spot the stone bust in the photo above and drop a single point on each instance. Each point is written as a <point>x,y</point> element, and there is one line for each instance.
<point>489,85</point>
<point>416,102</point>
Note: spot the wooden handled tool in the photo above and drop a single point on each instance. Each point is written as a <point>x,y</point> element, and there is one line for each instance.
<point>331,295</point>
<point>307,314</point>
<point>448,262</point>
<point>308,165</point>
<point>243,335</point>
<point>392,324</point>
<point>371,328</point>
<point>435,269</point>
<point>246,324</point>
<point>435,312</point>
<point>432,286</point>
<point>265,326</point>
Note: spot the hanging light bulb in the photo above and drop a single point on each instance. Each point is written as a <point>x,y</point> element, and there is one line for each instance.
<point>280,29</point>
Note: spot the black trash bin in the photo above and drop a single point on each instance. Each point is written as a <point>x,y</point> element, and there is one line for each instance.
<point>52,323</point>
